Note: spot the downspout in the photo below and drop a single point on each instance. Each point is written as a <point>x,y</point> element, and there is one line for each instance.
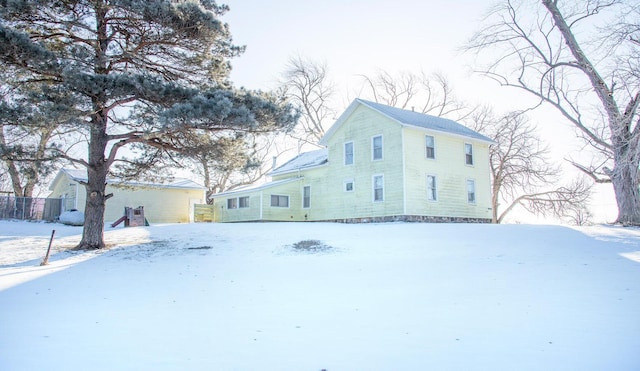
<point>404,178</point>
<point>261,205</point>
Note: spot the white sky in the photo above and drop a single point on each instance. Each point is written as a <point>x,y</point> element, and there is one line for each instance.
<point>352,37</point>
<point>357,37</point>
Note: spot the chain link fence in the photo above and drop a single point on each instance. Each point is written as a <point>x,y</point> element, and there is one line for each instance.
<point>30,208</point>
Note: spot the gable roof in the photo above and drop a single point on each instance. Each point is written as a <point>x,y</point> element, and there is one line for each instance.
<point>302,161</point>
<point>409,118</point>
<point>80,175</point>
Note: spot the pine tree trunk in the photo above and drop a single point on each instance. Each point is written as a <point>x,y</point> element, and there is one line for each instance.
<point>98,166</point>
<point>93,232</point>
<point>625,184</point>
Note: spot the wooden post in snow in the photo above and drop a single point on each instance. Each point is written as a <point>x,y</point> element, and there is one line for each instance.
<point>46,257</point>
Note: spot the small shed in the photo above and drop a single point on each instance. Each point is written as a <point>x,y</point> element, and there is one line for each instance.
<point>170,202</point>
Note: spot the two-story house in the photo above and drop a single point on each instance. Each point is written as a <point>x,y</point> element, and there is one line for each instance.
<point>380,163</point>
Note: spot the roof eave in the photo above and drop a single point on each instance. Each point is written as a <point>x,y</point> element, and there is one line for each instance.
<point>277,173</point>
<point>259,188</point>
<point>336,125</point>
<point>487,141</point>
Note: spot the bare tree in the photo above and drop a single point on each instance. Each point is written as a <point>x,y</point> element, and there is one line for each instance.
<point>33,128</point>
<point>549,53</point>
<point>308,87</point>
<point>521,173</point>
<point>429,94</point>
<point>233,162</point>
<point>580,216</point>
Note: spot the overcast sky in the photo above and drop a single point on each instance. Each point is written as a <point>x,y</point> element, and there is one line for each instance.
<point>352,37</point>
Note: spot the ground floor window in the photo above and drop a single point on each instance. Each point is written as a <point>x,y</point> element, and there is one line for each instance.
<point>306,197</point>
<point>243,202</point>
<point>471,191</point>
<point>348,185</point>
<point>279,201</point>
<point>378,188</point>
<point>232,203</point>
<point>432,193</point>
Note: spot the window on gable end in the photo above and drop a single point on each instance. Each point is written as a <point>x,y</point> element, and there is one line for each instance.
<point>468,153</point>
<point>471,191</point>
<point>432,192</point>
<point>376,147</point>
<point>378,188</point>
<point>430,146</point>
<point>348,153</point>
<point>349,185</point>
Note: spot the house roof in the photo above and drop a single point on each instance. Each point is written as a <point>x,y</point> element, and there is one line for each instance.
<point>80,175</point>
<point>255,187</point>
<point>303,161</point>
<point>411,118</point>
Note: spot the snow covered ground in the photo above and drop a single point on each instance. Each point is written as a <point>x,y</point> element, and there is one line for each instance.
<point>396,296</point>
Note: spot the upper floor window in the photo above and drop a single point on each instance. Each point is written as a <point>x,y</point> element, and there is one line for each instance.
<point>431,146</point>
<point>378,188</point>
<point>468,153</point>
<point>471,191</point>
<point>348,153</point>
<point>432,193</point>
<point>279,201</point>
<point>376,147</point>
<point>232,203</point>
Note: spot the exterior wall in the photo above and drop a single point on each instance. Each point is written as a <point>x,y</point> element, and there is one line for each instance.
<point>251,213</point>
<point>451,175</point>
<point>360,128</point>
<point>260,208</point>
<point>404,166</point>
<point>293,212</point>
<point>161,205</point>
<point>73,193</point>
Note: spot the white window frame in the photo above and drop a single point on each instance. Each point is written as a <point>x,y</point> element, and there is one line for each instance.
<point>240,202</point>
<point>432,193</point>
<point>468,145</point>
<point>353,153</point>
<point>426,147</point>
<point>304,198</point>
<point>373,187</point>
<point>349,181</point>
<point>373,148</point>
<point>232,203</point>
<point>277,195</point>
<point>471,182</point>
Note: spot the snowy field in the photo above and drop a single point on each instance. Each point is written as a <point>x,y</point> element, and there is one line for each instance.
<point>396,296</point>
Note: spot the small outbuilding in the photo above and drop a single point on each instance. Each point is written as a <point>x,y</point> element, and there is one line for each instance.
<point>171,202</point>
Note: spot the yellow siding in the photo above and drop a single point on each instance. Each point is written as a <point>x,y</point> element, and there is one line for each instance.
<point>251,213</point>
<point>260,204</point>
<point>161,205</point>
<point>360,128</point>
<point>451,175</point>
<point>404,167</point>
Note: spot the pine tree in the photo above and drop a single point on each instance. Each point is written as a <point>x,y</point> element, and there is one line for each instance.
<point>166,62</point>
